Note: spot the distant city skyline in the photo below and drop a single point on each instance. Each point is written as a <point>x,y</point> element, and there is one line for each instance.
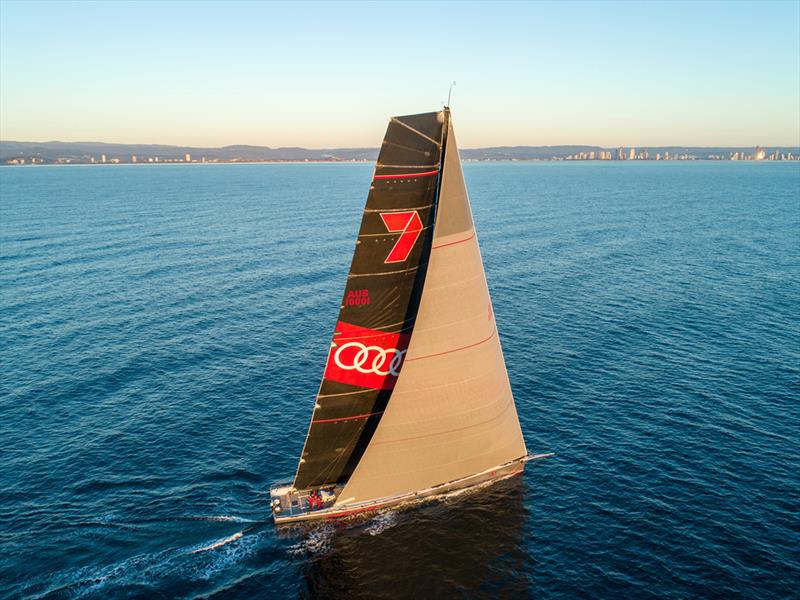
<point>16,153</point>
<point>328,75</point>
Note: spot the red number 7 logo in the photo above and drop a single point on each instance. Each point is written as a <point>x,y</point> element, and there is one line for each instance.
<point>411,226</point>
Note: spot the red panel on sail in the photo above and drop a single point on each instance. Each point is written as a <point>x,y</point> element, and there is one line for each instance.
<point>366,357</point>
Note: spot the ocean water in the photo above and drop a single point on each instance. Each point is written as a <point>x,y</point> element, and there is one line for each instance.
<point>163,330</point>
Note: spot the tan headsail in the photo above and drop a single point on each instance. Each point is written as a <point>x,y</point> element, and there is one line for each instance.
<point>451,413</point>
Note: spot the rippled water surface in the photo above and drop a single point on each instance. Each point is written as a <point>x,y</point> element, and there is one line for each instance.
<point>163,331</point>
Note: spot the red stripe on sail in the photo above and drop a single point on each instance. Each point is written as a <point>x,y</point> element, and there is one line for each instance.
<point>453,350</point>
<point>404,175</point>
<point>466,239</point>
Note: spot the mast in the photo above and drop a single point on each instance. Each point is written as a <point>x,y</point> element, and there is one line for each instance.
<point>381,300</point>
<point>452,412</point>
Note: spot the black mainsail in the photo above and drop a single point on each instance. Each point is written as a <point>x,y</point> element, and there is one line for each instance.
<point>380,302</point>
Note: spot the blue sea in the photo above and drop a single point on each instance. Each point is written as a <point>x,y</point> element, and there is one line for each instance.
<point>163,331</point>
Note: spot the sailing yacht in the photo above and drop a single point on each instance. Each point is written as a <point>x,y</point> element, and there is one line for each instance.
<point>415,399</point>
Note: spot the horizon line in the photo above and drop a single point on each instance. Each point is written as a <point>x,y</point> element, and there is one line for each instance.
<point>605,147</point>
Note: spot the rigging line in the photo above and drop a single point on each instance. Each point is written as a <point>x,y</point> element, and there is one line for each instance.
<point>419,133</point>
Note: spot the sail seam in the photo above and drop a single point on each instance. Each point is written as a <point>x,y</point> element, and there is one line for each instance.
<point>385,272</point>
<point>509,404</point>
<point>419,133</point>
<point>384,234</point>
<point>478,316</point>
<point>468,415</point>
<point>453,350</point>
<point>348,418</point>
<point>455,283</point>
<point>383,329</point>
<point>428,388</point>
<point>394,210</point>
<point>363,337</point>
<point>345,393</point>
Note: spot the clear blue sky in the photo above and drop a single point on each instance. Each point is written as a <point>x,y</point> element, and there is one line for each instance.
<point>329,74</point>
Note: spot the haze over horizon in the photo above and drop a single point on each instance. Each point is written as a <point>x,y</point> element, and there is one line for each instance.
<point>319,75</point>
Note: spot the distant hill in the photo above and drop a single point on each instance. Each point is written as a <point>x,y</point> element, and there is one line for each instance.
<point>83,151</point>
<point>86,152</point>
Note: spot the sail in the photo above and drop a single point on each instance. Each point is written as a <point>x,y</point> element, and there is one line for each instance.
<point>380,300</point>
<point>452,413</point>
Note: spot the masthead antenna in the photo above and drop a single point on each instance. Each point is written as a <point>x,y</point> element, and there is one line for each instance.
<point>450,93</point>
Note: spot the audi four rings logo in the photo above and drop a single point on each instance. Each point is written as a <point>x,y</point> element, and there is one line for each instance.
<point>371,359</point>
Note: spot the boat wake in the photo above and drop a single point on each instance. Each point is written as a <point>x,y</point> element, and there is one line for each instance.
<point>220,519</point>
<point>317,541</point>
<point>382,521</point>
<point>146,572</point>
<point>219,543</point>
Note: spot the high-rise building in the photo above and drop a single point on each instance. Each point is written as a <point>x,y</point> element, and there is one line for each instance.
<point>759,153</point>
<point>187,157</point>
<point>102,158</point>
<point>632,154</point>
<point>133,158</point>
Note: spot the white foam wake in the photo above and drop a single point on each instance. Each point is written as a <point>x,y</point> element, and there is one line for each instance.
<point>219,543</point>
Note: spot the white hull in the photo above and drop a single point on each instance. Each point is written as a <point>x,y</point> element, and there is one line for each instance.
<point>498,473</point>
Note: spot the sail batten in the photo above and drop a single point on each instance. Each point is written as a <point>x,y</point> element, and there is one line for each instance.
<point>381,273</point>
<point>419,133</point>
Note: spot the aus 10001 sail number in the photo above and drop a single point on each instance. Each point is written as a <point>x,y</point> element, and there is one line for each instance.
<point>357,298</point>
